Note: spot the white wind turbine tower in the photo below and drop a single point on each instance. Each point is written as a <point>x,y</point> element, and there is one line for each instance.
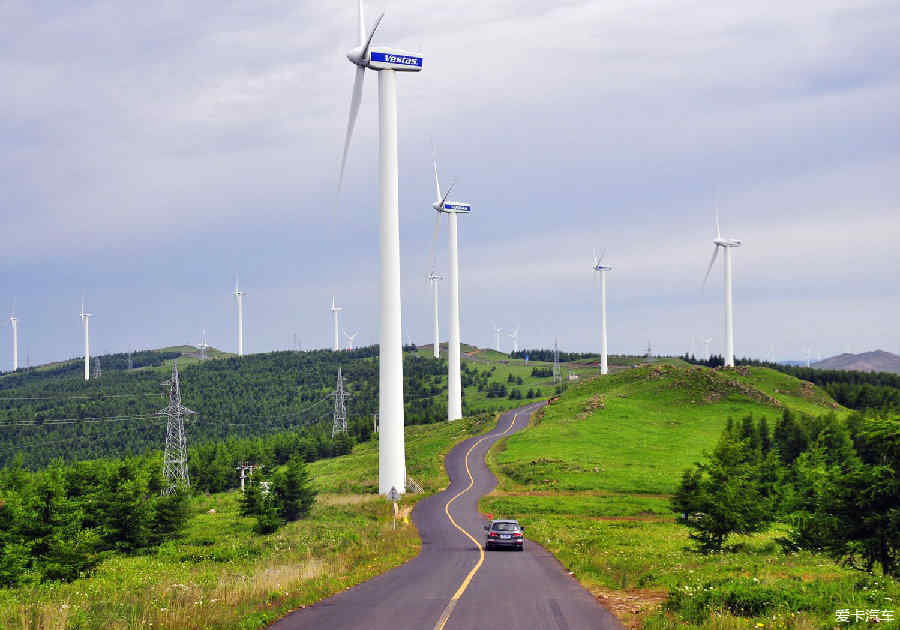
<point>514,335</point>
<point>600,268</point>
<point>336,342</point>
<point>14,322</point>
<point>452,209</point>
<point>350,339</point>
<point>87,343</point>
<point>434,279</point>
<point>706,343</point>
<point>385,61</point>
<point>497,332</point>
<point>239,299</point>
<point>726,244</point>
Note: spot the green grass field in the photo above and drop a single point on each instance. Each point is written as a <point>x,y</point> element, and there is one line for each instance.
<point>221,575</point>
<point>592,476</point>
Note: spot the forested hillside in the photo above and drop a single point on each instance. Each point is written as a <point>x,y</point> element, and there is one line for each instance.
<point>52,412</point>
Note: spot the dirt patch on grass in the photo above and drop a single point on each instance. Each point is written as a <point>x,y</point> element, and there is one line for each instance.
<point>346,499</point>
<point>630,607</point>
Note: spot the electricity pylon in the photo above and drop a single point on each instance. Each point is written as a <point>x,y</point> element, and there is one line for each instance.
<point>97,369</point>
<point>340,407</point>
<point>175,466</point>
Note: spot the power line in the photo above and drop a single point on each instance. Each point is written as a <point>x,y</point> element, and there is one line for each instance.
<point>94,397</point>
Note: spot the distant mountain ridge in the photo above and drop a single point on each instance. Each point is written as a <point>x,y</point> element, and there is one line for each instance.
<point>875,361</point>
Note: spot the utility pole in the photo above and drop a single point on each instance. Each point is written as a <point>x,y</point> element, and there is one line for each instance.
<point>557,374</point>
<point>340,407</point>
<point>175,466</point>
<point>246,471</point>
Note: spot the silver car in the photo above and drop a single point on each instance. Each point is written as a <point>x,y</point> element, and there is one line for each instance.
<point>505,533</point>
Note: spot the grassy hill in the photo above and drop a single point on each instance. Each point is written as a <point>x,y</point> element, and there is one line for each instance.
<point>222,576</point>
<point>592,479</point>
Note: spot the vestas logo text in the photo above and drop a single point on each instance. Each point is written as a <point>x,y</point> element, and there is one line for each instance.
<point>400,60</point>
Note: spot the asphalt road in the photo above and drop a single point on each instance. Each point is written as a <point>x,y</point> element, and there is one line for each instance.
<point>452,584</point>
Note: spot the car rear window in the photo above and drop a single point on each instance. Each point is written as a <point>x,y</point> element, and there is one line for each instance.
<point>505,527</point>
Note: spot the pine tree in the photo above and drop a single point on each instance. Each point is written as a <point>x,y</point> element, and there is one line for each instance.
<point>293,489</point>
<point>251,503</point>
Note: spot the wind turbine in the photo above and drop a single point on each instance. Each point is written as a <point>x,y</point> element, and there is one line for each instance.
<point>203,347</point>
<point>87,345</point>
<point>452,209</point>
<point>514,335</point>
<point>434,279</point>
<point>239,299</point>
<point>385,61</point>
<point>600,268</point>
<point>726,244</point>
<point>14,322</point>
<point>350,339</point>
<point>706,343</point>
<point>336,343</point>
<point>498,332</point>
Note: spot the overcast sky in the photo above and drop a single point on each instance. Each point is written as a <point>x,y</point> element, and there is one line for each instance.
<point>150,151</point>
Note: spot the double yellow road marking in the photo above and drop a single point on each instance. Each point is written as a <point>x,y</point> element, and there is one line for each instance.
<point>445,616</point>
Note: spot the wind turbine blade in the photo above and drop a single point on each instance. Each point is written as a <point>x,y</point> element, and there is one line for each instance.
<point>368,41</point>
<point>437,184</point>
<point>362,24</point>
<point>711,263</point>
<point>718,233</point>
<point>351,121</point>
<point>444,200</point>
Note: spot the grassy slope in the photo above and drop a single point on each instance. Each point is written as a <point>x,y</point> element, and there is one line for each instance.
<point>221,575</point>
<point>593,476</point>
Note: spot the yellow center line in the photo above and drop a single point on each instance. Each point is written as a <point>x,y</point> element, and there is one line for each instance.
<point>445,616</point>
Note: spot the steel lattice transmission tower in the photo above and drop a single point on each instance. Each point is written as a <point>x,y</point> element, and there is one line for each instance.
<point>175,466</point>
<point>557,374</point>
<point>98,371</point>
<point>340,407</point>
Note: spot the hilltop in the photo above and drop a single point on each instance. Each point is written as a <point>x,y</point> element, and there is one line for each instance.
<point>875,361</point>
<point>592,480</point>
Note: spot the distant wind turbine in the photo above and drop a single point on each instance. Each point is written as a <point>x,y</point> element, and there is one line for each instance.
<point>498,332</point>
<point>87,342</point>
<point>706,343</point>
<point>14,322</point>
<point>726,244</point>
<point>602,269</point>
<point>239,299</point>
<point>336,344</point>
<point>350,339</point>
<point>452,209</point>
<point>434,278</point>
<point>514,335</point>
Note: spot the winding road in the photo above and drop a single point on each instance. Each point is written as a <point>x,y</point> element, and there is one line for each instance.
<point>453,584</point>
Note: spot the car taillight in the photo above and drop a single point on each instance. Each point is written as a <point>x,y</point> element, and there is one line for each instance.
<point>517,535</point>
<point>493,535</point>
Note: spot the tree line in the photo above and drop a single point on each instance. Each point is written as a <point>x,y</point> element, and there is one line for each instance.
<point>252,396</point>
<point>836,484</point>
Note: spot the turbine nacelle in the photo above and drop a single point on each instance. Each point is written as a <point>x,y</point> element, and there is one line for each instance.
<point>727,242</point>
<point>452,207</point>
